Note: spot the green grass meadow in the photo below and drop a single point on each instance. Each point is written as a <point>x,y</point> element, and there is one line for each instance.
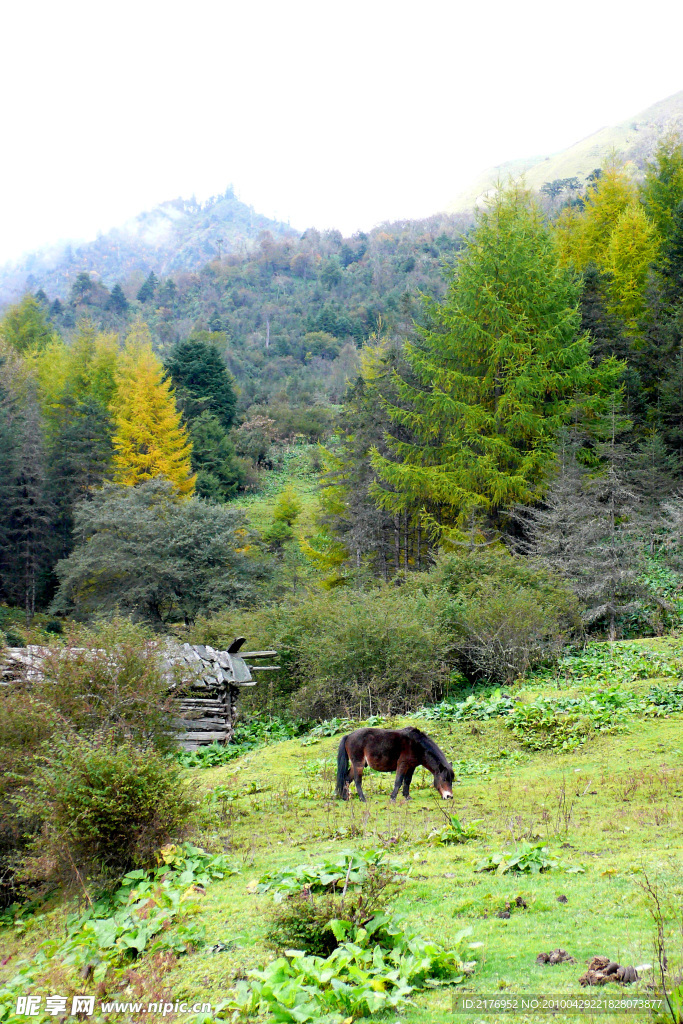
<point>610,812</point>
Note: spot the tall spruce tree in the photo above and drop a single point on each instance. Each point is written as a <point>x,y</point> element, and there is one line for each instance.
<point>219,473</point>
<point>499,371</point>
<point>25,510</point>
<point>79,463</point>
<point>202,382</point>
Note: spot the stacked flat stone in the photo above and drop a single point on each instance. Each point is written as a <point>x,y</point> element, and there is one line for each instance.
<point>208,704</point>
<point>21,664</point>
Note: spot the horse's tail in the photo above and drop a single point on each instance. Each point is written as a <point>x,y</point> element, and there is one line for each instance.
<point>342,768</point>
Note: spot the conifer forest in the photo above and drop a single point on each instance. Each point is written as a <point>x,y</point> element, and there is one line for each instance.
<point>435,472</point>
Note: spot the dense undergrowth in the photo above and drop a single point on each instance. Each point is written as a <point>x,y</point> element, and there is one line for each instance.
<point>150,911</point>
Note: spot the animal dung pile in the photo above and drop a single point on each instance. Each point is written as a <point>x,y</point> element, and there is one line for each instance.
<point>602,971</point>
<point>511,905</point>
<point>555,956</point>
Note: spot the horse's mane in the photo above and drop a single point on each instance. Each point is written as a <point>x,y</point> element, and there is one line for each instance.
<point>427,743</point>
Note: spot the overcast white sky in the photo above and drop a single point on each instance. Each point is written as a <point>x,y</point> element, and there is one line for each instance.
<point>326,114</point>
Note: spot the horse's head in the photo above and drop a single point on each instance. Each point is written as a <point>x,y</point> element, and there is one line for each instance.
<point>443,781</point>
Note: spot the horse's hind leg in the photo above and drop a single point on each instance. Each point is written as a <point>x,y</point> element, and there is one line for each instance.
<point>357,770</point>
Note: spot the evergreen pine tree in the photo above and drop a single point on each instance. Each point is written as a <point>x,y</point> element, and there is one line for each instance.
<point>80,460</point>
<point>148,288</point>
<point>117,301</point>
<point>202,382</point>
<point>25,511</point>
<point>662,190</point>
<point>219,473</point>
<point>499,371</point>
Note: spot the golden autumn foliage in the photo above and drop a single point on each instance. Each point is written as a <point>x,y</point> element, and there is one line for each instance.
<point>150,439</point>
<point>614,233</point>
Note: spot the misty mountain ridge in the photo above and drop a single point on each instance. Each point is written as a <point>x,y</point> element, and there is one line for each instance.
<point>178,235</point>
<point>631,142</point>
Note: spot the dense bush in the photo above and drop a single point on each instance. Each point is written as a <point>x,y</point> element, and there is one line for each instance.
<point>352,888</point>
<point>505,615</point>
<point>104,806</point>
<point>111,679</point>
<point>25,724</point>
<point>104,685</point>
<point>389,649</point>
<point>349,653</point>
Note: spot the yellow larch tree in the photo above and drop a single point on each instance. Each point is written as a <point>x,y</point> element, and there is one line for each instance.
<point>150,439</point>
<point>633,246</point>
<point>583,236</point>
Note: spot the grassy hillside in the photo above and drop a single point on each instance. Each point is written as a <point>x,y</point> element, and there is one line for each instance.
<point>608,813</point>
<point>633,142</point>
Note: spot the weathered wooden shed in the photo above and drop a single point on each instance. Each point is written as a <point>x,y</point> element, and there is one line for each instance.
<point>208,708</point>
<point>208,700</point>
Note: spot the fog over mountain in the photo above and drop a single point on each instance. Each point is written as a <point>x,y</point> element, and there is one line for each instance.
<point>174,236</point>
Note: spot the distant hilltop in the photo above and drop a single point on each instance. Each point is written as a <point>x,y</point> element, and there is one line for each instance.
<point>175,236</point>
<point>632,142</point>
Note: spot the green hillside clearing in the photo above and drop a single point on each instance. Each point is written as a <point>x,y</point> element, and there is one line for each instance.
<point>609,813</point>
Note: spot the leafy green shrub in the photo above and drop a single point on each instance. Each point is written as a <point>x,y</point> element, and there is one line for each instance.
<point>480,708</point>
<point>528,859</point>
<point>105,806</point>
<point>345,654</point>
<point>506,615</point>
<point>111,679</point>
<point>567,722</point>
<point>376,652</point>
<point>14,639</point>
<point>613,664</point>
<point>254,732</point>
<point>350,869</point>
<point>373,968</point>
<point>501,633</point>
<point>25,724</point>
<point>305,920</point>
<point>455,831</point>
<point>147,912</point>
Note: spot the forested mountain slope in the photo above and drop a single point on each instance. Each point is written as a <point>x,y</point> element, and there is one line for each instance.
<point>288,314</point>
<point>175,236</point>
<point>632,142</point>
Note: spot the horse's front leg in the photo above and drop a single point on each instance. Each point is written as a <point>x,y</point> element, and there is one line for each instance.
<point>407,779</point>
<point>398,782</point>
<point>358,779</point>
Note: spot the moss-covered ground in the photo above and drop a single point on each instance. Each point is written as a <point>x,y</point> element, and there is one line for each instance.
<point>611,812</point>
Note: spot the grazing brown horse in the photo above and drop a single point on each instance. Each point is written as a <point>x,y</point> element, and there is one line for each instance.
<point>388,750</point>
